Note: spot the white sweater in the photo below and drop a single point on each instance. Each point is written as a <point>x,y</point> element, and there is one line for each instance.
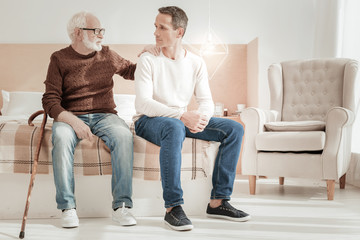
<point>164,87</point>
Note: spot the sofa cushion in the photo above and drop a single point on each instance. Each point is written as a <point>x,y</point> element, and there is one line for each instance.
<point>290,141</point>
<point>295,126</point>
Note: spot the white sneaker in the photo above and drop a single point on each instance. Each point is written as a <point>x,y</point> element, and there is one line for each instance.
<point>123,216</point>
<point>69,219</point>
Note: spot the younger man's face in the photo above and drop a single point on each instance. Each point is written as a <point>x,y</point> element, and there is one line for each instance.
<point>165,34</point>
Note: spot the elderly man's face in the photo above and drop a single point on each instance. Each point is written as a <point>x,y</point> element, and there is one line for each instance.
<point>91,40</point>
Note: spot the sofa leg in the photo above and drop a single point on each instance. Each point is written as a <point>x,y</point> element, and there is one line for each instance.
<point>330,189</point>
<point>281,180</point>
<point>252,184</point>
<point>342,181</point>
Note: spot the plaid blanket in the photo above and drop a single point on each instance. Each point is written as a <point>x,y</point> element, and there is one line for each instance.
<point>18,146</point>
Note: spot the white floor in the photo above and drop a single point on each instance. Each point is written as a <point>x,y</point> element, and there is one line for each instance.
<point>297,210</point>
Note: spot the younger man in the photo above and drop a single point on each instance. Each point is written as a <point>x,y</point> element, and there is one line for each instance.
<point>164,86</point>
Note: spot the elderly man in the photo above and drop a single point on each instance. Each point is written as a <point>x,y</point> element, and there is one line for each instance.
<point>79,96</point>
<point>164,86</point>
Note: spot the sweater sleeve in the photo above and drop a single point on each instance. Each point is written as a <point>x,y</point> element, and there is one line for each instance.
<point>203,93</point>
<point>144,102</point>
<point>124,68</point>
<point>53,89</point>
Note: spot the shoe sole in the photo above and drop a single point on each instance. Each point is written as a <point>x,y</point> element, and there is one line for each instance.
<point>180,228</point>
<point>124,224</point>
<point>70,226</point>
<point>243,219</point>
<point>73,225</point>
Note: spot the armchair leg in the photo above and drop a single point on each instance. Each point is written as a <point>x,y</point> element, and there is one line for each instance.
<point>330,189</point>
<point>252,184</point>
<point>342,181</point>
<point>281,180</point>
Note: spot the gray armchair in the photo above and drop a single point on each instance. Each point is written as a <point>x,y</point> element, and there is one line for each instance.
<point>307,131</point>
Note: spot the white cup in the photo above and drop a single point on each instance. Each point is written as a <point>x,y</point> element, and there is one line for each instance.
<point>240,107</point>
<point>219,110</point>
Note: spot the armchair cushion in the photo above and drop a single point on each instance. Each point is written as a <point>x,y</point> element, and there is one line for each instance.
<point>290,141</point>
<point>295,126</point>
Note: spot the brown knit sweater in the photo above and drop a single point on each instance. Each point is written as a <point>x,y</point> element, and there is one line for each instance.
<point>83,84</point>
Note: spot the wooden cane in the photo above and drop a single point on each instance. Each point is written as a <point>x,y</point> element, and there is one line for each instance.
<point>34,168</point>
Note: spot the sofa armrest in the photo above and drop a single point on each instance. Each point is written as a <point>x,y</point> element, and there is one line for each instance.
<point>254,120</point>
<point>337,150</point>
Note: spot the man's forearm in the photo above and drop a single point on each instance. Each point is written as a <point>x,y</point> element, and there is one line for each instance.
<point>152,108</point>
<point>67,117</point>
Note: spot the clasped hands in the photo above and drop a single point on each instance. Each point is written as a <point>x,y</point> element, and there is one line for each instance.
<point>194,121</point>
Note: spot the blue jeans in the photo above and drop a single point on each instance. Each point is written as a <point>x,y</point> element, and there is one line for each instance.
<point>117,137</point>
<point>169,134</point>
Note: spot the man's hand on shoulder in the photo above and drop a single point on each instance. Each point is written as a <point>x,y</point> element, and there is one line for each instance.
<point>151,49</point>
<point>195,121</point>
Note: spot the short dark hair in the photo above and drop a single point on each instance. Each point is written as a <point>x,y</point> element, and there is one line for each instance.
<point>178,16</point>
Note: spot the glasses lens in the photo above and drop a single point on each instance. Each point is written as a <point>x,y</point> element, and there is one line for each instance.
<point>97,31</point>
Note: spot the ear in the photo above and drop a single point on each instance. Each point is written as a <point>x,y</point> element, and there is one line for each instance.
<point>180,32</point>
<point>78,33</point>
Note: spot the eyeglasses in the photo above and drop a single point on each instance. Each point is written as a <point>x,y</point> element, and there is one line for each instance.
<point>97,31</point>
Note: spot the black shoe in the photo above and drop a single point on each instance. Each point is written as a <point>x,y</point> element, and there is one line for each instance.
<point>226,211</point>
<point>177,219</point>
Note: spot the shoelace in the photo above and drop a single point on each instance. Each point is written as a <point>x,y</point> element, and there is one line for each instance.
<point>70,213</point>
<point>228,206</point>
<point>124,210</point>
<point>179,213</point>
<point>238,212</point>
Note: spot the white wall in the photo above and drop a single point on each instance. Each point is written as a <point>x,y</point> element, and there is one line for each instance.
<point>286,28</point>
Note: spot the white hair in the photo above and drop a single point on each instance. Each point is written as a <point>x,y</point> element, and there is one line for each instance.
<point>77,21</point>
